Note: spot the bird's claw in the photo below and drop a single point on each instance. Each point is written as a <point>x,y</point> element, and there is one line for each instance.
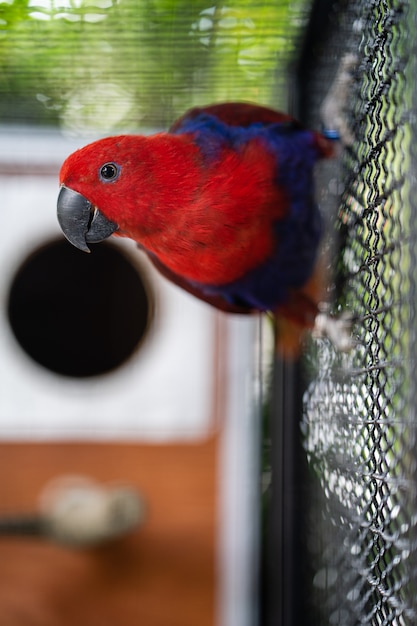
<point>333,110</point>
<point>337,329</point>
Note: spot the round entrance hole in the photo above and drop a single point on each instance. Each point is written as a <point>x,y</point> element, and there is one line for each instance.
<point>79,314</point>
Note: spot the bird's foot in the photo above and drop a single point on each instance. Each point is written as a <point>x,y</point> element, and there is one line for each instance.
<point>333,109</point>
<point>336,328</point>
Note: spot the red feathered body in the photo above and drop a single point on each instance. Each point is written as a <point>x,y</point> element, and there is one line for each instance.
<point>223,203</point>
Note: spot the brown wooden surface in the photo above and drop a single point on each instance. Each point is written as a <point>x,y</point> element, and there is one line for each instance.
<point>161,575</point>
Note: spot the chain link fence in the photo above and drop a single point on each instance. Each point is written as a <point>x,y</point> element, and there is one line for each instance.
<point>357,541</point>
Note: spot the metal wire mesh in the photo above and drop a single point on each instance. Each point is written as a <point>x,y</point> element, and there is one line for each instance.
<point>359,423</point>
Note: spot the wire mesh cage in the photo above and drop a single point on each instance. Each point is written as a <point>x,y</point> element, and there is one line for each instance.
<point>359,409</point>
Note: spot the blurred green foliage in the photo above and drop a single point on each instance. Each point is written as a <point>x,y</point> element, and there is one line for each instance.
<point>126,64</point>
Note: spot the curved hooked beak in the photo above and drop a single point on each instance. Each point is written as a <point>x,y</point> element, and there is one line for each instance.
<point>81,222</point>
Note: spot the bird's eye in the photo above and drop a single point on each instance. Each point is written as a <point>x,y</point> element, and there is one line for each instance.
<point>109,172</point>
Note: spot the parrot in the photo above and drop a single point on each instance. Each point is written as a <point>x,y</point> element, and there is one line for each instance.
<point>223,204</point>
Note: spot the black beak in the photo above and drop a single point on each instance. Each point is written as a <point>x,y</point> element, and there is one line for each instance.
<point>80,221</point>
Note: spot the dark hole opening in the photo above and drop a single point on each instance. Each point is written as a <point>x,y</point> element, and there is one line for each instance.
<point>79,314</point>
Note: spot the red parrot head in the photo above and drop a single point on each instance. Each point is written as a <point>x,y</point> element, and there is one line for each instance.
<point>116,184</point>
<point>88,180</point>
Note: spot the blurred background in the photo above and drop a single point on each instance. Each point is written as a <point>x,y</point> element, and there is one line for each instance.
<point>105,65</point>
